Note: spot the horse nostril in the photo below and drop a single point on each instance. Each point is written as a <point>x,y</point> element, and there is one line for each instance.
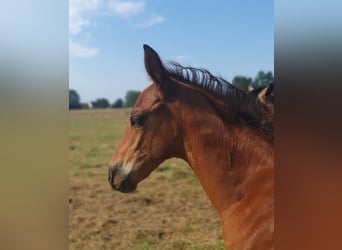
<point>111,174</point>
<point>112,171</point>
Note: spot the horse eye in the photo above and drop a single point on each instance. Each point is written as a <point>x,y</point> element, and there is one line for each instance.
<point>138,121</point>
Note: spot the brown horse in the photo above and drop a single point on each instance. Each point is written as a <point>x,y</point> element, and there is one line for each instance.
<point>265,95</point>
<point>218,129</point>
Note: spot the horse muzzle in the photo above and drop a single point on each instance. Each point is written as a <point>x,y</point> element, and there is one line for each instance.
<point>120,179</point>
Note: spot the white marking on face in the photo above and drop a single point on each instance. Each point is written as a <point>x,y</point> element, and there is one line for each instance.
<point>126,168</point>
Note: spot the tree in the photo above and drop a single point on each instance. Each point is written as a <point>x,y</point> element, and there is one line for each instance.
<point>242,82</point>
<point>262,79</point>
<point>118,103</point>
<point>84,105</point>
<point>131,97</point>
<point>100,103</point>
<point>74,100</point>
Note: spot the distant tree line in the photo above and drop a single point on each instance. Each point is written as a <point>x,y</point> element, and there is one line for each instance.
<point>74,100</point>
<point>261,79</point>
<point>242,82</point>
<point>103,103</point>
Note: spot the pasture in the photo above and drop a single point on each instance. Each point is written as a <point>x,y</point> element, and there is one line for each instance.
<point>169,210</point>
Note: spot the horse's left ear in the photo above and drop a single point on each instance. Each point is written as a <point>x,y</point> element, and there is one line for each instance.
<point>269,90</point>
<point>154,66</point>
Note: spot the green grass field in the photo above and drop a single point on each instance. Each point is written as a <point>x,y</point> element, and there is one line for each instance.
<point>169,210</point>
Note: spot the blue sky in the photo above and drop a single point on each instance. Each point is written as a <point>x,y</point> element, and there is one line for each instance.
<point>227,37</point>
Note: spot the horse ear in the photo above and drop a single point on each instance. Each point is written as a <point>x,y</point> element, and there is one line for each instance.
<point>269,90</point>
<point>154,66</point>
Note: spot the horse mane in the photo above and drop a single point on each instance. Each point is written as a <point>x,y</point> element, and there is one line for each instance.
<point>246,106</point>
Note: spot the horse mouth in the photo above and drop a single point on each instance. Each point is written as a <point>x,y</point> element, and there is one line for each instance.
<point>125,185</point>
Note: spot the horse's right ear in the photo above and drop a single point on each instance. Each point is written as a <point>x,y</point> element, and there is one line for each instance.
<point>154,66</point>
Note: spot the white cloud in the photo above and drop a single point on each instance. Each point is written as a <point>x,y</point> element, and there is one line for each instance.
<point>153,20</point>
<point>78,11</point>
<point>79,18</point>
<point>78,50</point>
<point>126,8</point>
<point>75,26</point>
<point>83,13</point>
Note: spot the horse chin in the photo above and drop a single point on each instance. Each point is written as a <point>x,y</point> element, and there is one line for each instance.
<point>127,189</point>
<point>125,186</point>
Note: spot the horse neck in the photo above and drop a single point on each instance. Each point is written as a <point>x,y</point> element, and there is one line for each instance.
<point>226,159</point>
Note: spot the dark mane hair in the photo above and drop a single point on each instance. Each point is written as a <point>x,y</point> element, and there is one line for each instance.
<point>220,90</point>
